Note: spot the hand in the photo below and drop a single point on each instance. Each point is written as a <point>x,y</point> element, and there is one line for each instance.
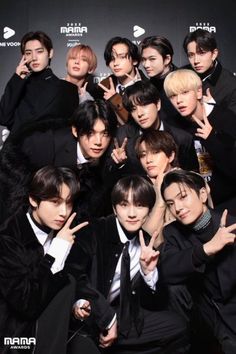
<point>119,154</point>
<point>108,339</point>
<point>148,257</point>
<point>134,79</point>
<point>82,89</point>
<point>22,69</point>
<point>208,97</point>
<point>68,234</point>
<point>223,237</point>
<point>108,92</point>
<point>205,127</point>
<point>82,312</point>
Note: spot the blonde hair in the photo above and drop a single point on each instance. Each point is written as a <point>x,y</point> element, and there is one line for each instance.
<point>86,51</point>
<point>181,80</point>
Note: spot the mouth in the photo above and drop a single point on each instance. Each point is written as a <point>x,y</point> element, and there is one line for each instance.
<point>34,66</point>
<point>75,68</point>
<point>132,222</point>
<point>182,109</point>
<point>59,222</point>
<point>149,168</point>
<point>198,68</point>
<point>183,216</point>
<point>97,151</point>
<point>143,121</point>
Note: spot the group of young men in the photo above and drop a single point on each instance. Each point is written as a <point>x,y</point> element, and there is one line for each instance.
<point>85,187</point>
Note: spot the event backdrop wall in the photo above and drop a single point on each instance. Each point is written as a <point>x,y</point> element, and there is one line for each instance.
<point>94,22</point>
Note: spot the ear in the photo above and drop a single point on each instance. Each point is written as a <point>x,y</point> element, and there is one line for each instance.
<point>215,53</point>
<point>158,105</point>
<point>172,157</point>
<point>199,93</point>
<point>203,195</point>
<point>135,63</point>
<point>74,131</point>
<point>114,210</point>
<point>167,60</point>
<point>51,54</point>
<point>33,203</point>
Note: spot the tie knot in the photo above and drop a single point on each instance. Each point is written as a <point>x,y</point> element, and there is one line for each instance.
<point>121,89</point>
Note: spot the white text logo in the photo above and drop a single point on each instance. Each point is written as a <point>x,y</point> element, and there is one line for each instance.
<point>203,25</point>
<point>19,342</point>
<point>73,30</point>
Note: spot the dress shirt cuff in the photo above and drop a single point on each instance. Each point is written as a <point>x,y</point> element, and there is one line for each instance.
<point>150,278</point>
<point>59,249</point>
<point>111,323</point>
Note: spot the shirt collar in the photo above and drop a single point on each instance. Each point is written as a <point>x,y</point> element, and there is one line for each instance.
<point>80,157</point>
<point>41,235</point>
<point>122,235</point>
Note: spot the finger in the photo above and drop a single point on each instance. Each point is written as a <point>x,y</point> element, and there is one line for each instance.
<point>115,158</point>
<point>124,143</point>
<point>198,121</point>
<point>231,228</point>
<point>153,238</point>
<point>116,144</point>
<point>69,221</point>
<point>141,239</point>
<point>103,87</point>
<point>112,87</point>
<point>223,218</point>
<point>80,226</point>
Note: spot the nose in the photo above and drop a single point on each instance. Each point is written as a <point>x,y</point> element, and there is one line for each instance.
<point>98,139</point>
<point>63,209</point>
<point>196,58</point>
<point>178,206</point>
<point>179,98</point>
<point>77,61</point>
<point>139,111</point>
<point>131,212</point>
<point>33,56</point>
<point>148,157</point>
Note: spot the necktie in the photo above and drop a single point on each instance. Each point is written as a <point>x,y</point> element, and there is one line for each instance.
<point>125,292</point>
<point>121,89</point>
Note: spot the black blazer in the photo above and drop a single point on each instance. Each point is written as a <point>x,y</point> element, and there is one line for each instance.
<point>36,97</point>
<point>186,155</point>
<point>177,265</point>
<point>93,258</point>
<point>26,282</point>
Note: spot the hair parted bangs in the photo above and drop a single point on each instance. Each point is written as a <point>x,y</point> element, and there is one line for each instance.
<point>142,191</point>
<point>181,80</point>
<point>140,94</point>
<point>86,52</point>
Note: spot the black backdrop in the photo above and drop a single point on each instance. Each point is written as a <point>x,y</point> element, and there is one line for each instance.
<point>94,22</point>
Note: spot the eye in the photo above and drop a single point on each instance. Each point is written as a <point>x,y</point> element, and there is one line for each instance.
<point>123,204</point>
<point>183,196</point>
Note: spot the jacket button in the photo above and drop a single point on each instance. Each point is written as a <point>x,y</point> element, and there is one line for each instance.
<point>116,255</point>
<point>133,292</point>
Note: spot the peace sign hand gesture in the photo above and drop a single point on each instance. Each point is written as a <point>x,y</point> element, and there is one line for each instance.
<point>108,92</point>
<point>205,127</point>
<point>66,233</point>
<point>119,154</point>
<point>224,236</point>
<point>149,256</point>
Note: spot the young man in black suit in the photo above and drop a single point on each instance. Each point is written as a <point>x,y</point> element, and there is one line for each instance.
<point>81,146</point>
<point>122,57</point>
<point>34,92</point>
<point>124,314</point>
<point>34,245</point>
<point>199,251</point>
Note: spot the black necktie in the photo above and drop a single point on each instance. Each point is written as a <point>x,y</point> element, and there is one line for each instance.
<point>125,292</point>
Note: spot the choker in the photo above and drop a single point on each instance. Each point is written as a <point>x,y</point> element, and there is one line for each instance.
<point>203,221</point>
<point>43,228</point>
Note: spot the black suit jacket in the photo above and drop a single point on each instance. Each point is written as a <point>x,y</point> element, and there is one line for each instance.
<point>26,282</point>
<point>177,266</point>
<point>36,97</point>
<point>94,258</point>
<point>186,154</point>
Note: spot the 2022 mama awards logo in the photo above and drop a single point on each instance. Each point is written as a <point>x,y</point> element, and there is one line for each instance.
<point>73,31</point>
<point>20,342</point>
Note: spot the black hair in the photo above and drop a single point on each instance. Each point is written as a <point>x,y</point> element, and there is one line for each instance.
<point>47,182</point>
<point>38,35</point>
<point>133,51</point>
<point>189,179</point>
<point>85,116</point>
<point>158,141</point>
<point>161,44</point>
<point>140,93</point>
<point>204,39</point>
<point>142,191</point>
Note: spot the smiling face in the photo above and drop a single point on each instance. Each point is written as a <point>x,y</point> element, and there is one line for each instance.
<point>37,55</point>
<point>153,62</point>
<point>201,60</point>
<point>53,212</point>
<point>94,144</point>
<point>184,203</point>
<point>154,162</point>
<point>122,63</point>
<point>130,215</point>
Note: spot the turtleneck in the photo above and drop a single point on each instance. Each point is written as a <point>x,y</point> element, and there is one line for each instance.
<point>202,223</point>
